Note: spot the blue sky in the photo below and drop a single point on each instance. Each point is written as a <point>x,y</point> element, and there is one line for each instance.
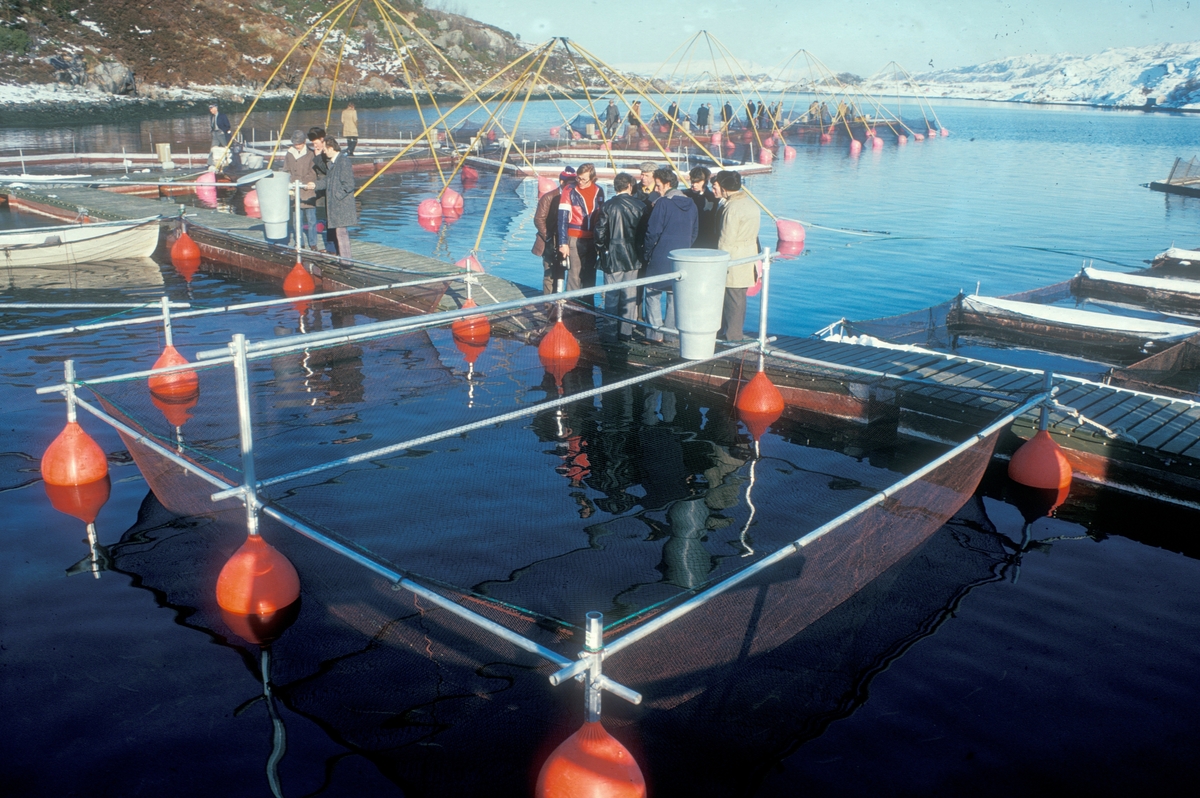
<point>857,37</point>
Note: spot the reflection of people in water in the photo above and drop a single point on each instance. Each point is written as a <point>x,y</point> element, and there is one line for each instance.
<point>320,377</point>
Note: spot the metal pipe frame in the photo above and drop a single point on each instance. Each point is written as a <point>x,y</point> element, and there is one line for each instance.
<point>648,628</point>
<point>487,422</point>
<point>85,305</point>
<point>187,314</point>
<point>280,346</point>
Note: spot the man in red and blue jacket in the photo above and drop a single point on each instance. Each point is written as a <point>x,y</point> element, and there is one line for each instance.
<point>578,209</point>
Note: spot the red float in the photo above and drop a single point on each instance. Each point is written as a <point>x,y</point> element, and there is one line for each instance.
<point>470,263</point>
<point>1040,463</point>
<point>716,138</point>
<point>177,385</point>
<point>945,132</point>
<point>902,139</point>
<point>250,203</point>
<point>546,185</point>
<point>185,256</point>
<point>258,591</point>
<point>789,230</point>
<point>759,404</point>
<point>73,458</point>
<point>451,201</point>
<point>559,352</point>
<point>789,153</point>
<point>430,223</point>
<point>591,763</point>
<point>80,501</point>
<point>299,282</point>
<point>855,146</point>
<point>789,249</point>
<point>177,412</point>
<point>876,143</point>
<point>765,156</point>
<point>826,138</point>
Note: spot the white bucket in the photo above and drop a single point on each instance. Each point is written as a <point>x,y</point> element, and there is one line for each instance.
<point>699,297</point>
<point>274,205</point>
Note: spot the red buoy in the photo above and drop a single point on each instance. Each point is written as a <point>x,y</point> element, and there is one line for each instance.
<point>765,156</point>
<point>176,384</point>
<point>554,131</point>
<point>876,143</point>
<point>491,135</point>
<point>206,189</point>
<point>759,404</point>
<point>299,282</point>
<point>474,330</point>
<point>932,133</point>
<point>945,132</point>
<point>185,256</point>
<point>902,139</point>
<point>430,223</point>
<point>918,136</point>
<point>470,262</point>
<point>470,175</point>
<point>826,138</point>
<point>451,201</point>
<point>546,185</point>
<point>559,352</point>
<point>73,458</point>
<point>429,208</point>
<point>789,249</point>
<point>716,138</point>
<point>80,501</point>
<point>1040,463</point>
<point>855,146</point>
<point>257,579</point>
<point>789,153</point>
<point>591,763</point>
<point>789,230</point>
<point>250,202</point>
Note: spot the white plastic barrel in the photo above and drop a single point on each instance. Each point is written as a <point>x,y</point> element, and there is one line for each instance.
<point>699,296</point>
<point>274,205</point>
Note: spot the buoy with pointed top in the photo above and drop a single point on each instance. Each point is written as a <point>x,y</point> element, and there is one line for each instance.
<point>451,201</point>
<point>175,385</point>
<point>256,589</point>
<point>876,143</point>
<point>429,208</point>
<point>789,153</point>
<point>789,230</point>
<point>826,138</point>
<point>73,458</point>
<point>559,352</point>
<point>250,203</point>
<point>185,255</point>
<point>471,263</point>
<point>1040,463</point>
<point>299,282</point>
<point>546,184</point>
<point>855,146</point>
<point>591,763</point>
<point>206,189</point>
<point>474,329</point>
<point>759,404</point>
<point>80,501</point>
<point>765,156</point>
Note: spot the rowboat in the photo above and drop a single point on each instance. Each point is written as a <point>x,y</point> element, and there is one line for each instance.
<point>79,243</point>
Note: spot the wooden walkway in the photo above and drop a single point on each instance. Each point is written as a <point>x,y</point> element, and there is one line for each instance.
<point>1164,425</point>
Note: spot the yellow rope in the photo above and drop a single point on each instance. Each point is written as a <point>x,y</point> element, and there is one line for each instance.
<point>596,116</point>
<point>337,69</point>
<point>283,61</point>
<point>504,160</point>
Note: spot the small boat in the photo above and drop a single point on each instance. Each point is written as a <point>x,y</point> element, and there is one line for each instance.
<point>79,243</point>
<point>1174,256</point>
<point>1157,293</point>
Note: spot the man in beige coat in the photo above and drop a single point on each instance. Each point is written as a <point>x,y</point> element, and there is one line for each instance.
<point>738,220</point>
<point>350,127</point>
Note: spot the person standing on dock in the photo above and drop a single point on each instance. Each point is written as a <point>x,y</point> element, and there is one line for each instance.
<point>619,237</point>
<point>738,225</point>
<point>706,207</point>
<point>612,119</point>
<point>545,219</point>
<point>578,207</point>
<point>340,210</point>
<point>298,163</point>
<point>321,168</point>
<point>218,125</point>
<point>645,190</point>
<point>702,116</point>
<point>726,115</point>
<point>673,224</point>
<point>633,120</point>
<point>350,127</point>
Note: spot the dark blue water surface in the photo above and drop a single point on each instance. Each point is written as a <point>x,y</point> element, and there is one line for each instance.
<point>974,666</point>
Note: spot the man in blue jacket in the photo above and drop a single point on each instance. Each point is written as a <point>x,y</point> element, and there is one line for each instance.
<point>673,224</point>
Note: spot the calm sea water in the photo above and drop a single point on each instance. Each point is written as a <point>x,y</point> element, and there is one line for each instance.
<point>1066,669</point>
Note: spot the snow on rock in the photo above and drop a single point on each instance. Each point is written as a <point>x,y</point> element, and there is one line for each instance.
<point>1162,74</point>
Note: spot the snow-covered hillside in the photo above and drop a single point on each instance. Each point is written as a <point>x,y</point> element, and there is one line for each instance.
<point>1168,74</point>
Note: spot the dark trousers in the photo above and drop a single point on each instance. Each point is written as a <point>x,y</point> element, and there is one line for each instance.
<point>733,315</point>
<point>351,143</point>
<point>552,272</point>
<point>342,236</point>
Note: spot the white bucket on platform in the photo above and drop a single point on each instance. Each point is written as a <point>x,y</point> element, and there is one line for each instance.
<point>699,297</point>
<point>274,205</point>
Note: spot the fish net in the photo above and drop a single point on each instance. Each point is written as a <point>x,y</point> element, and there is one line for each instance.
<point>1174,371</point>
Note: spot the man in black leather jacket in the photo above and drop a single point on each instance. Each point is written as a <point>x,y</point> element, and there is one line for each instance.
<point>619,232</point>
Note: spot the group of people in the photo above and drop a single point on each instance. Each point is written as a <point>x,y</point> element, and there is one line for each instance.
<point>326,179</point>
<point>631,235</point>
<point>706,120</point>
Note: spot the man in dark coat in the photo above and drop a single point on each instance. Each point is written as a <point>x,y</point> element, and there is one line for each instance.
<point>340,209</point>
<point>619,234</point>
<point>612,118</point>
<point>706,206</point>
<point>320,166</point>
<point>545,219</point>
<point>702,117</point>
<point>726,115</point>
<point>220,127</point>
<point>673,224</point>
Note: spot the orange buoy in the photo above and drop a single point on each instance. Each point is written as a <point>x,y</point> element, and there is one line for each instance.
<point>902,139</point>
<point>855,146</point>
<point>546,185</point>
<point>429,208</point>
<point>176,411</point>
<point>185,256</point>
<point>299,282</point>
<point>759,404</point>
<point>257,579</point>
<point>1040,463</point>
<point>451,201</point>
<point>826,138</point>
<point>789,153</point>
<point>591,763</point>
<point>918,136</point>
<point>469,174</point>
<point>177,384</point>
<point>470,262</point>
<point>559,352</point>
<point>789,249</point>
<point>81,501</point>
<point>789,230</point>
<point>765,156</point>
<point>73,458</point>
<point>716,138</point>
<point>472,329</point>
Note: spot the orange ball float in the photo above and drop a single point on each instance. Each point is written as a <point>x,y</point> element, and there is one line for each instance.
<point>1040,463</point>
<point>73,458</point>
<point>298,282</point>
<point>559,352</point>
<point>257,579</point>
<point>472,330</point>
<point>591,763</point>
<point>177,385</point>
<point>80,501</point>
<point>185,255</point>
<point>759,404</point>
